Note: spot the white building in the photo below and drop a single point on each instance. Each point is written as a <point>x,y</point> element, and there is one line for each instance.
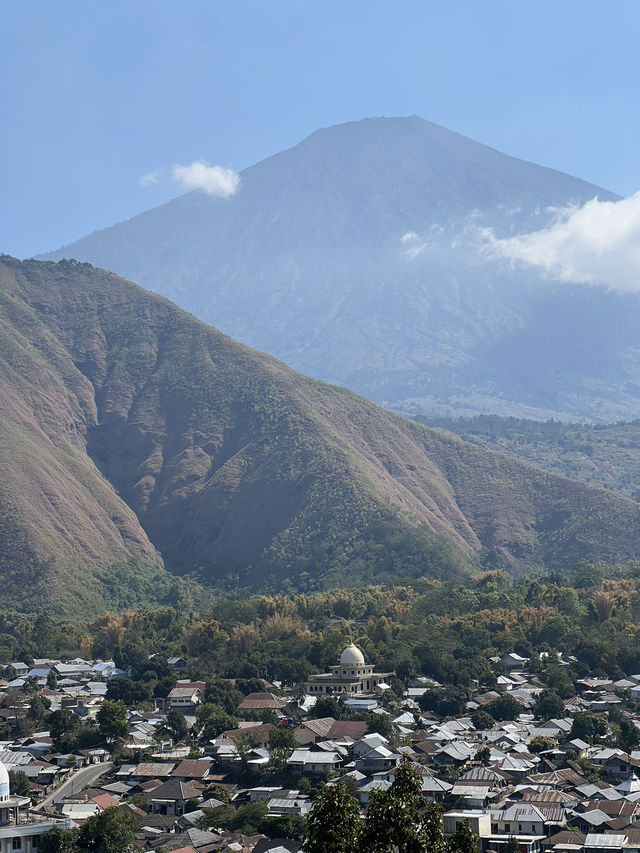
<point>352,676</point>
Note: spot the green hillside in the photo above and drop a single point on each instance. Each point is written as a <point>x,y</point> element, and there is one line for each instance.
<point>128,426</point>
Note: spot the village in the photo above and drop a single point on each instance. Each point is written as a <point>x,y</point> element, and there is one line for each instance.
<point>195,778</point>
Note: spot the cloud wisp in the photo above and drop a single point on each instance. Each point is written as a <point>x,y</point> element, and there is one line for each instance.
<point>149,179</point>
<point>597,243</point>
<point>213,180</point>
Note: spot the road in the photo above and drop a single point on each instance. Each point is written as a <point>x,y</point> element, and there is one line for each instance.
<point>79,779</point>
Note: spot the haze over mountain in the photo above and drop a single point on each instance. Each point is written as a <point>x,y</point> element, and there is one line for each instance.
<point>130,430</point>
<point>360,257</point>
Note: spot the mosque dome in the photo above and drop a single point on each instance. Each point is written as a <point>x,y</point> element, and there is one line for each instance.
<point>352,656</point>
<point>4,783</point>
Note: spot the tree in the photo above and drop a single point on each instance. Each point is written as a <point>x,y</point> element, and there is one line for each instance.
<point>61,723</point>
<point>245,744</point>
<point>380,723</point>
<point>588,726</point>
<point>548,705</point>
<point>112,719</point>
<point>445,701</point>
<point>38,707</point>
<point>483,755</point>
<point>628,735</point>
<point>326,706</point>
<point>282,738</point>
<point>217,792</point>
<point>19,783</point>
<point>333,824</point>
<point>463,840</point>
<point>504,708</point>
<point>176,724</point>
<point>58,840</point>
<point>398,819</point>
<point>541,743</point>
<point>213,720</point>
<point>43,634</point>
<point>111,831</point>
<point>129,691</point>
<point>223,694</point>
<point>481,719</point>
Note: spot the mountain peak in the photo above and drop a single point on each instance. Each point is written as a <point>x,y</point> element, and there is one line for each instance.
<point>358,256</point>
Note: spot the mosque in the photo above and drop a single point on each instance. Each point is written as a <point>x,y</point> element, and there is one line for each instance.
<point>19,829</point>
<point>351,677</point>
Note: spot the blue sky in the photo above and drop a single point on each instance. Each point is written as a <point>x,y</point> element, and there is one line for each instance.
<point>97,93</point>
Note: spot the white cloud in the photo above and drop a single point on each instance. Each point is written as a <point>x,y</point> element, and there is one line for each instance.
<point>149,179</point>
<point>213,180</point>
<point>414,244</point>
<point>597,243</point>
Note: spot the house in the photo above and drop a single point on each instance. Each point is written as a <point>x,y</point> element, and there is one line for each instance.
<point>184,698</point>
<point>191,769</point>
<point>598,842</point>
<point>514,661</point>
<point>518,819</point>
<point>147,771</point>
<point>594,820</point>
<point>479,822</point>
<point>365,790</point>
<point>171,797</point>
<point>261,794</point>
<point>377,760</point>
<point>369,742</point>
<point>311,731</point>
<point>347,730</point>
<point>306,761</point>
<point>457,752</point>
<point>435,790</point>
<point>261,702</point>
<point>292,802</point>
<point>277,845</point>
<point>17,669</point>
<point>472,796</point>
<point>257,734</point>
<point>614,762</point>
<point>72,670</point>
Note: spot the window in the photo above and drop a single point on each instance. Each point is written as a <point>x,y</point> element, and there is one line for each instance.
<point>16,844</point>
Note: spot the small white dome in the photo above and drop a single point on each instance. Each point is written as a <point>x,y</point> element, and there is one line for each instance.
<point>352,656</point>
<point>4,783</point>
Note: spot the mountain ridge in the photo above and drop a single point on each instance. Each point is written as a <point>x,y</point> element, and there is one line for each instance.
<point>183,443</point>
